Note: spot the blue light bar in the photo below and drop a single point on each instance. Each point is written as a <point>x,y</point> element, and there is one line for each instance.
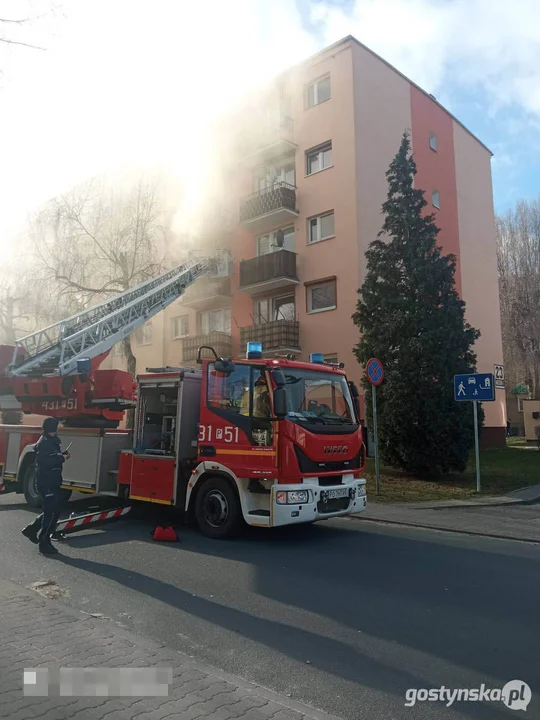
<point>254,350</point>
<point>316,358</point>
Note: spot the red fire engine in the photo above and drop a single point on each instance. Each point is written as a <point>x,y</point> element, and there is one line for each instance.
<point>262,441</point>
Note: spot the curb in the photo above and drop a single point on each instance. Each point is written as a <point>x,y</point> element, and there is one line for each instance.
<point>144,642</point>
<point>459,531</point>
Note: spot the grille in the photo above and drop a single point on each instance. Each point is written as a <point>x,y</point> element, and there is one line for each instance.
<point>332,506</point>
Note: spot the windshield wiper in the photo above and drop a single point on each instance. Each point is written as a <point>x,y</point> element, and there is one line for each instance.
<point>310,419</point>
<point>338,421</point>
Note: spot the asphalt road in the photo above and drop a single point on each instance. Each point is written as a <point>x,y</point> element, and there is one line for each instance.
<point>344,615</point>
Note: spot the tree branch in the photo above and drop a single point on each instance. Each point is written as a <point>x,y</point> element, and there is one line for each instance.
<point>17,42</point>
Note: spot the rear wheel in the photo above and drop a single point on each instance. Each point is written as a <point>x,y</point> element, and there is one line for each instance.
<point>217,509</point>
<point>31,493</point>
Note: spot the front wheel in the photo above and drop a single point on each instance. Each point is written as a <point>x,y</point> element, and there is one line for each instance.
<point>217,509</point>
<point>31,493</point>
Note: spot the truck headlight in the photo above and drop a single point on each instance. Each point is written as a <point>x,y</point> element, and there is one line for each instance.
<point>361,490</point>
<point>292,497</point>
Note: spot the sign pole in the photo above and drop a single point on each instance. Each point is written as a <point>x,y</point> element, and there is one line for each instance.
<point>476,445</point>
<point>376,438</point>
<point>375,376</point>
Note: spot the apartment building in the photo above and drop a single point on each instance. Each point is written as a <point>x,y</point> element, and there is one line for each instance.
<point>307,162</point>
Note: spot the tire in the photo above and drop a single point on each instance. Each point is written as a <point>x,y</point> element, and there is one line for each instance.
<point>217,509</point>
<point>33,498</point>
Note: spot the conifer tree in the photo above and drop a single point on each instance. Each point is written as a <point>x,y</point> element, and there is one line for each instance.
<point>411,317</point>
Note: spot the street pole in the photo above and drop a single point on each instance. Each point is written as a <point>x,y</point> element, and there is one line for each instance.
<point>476,445</point>
<point>376,439</point>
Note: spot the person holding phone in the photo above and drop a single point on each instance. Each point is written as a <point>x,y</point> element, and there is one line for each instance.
<point>49,462</point>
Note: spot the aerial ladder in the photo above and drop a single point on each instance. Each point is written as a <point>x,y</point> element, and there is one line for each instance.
<point>55,371</point>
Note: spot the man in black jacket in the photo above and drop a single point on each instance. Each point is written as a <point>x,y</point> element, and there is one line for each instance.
<point>49,462</point>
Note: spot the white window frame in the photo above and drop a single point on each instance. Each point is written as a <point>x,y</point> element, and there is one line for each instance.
<point>174,333</point>
<point>436,199</point>
<point>207,313</point>
<point>314,286</point>
<point>272,237</point>
<point>331,358</point>
<point>315,85</point>
<point>267,177</point>
<point>270,311</point>
<point>142,333</point>
<point>520,404</point>
<point>320,238</point>
<point>320,150</point>
<point>433,141</point>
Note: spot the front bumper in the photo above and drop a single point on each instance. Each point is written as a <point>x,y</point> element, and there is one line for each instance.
<point>320,505</point>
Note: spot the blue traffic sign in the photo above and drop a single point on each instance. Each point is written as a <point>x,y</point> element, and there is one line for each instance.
<point>480,386</point>
<point>375,371</point>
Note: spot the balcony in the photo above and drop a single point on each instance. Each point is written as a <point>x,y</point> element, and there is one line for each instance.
<point>269,208</point>
<point>207,293</point>
<point>220,341</point>
<point>269,140</point>
<point>280,335</point>
<point>268,272</point>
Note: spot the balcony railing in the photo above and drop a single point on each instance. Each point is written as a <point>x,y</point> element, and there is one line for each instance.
<point>270,138</point>
<point>274,336</point>
<point>207,292</point>
<point>272,206</point>
<point>220,341</point>
<point>275,270</point>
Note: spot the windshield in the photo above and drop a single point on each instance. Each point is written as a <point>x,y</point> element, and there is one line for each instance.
<point>318,397</point>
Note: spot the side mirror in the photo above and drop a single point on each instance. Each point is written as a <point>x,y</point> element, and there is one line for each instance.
<point>227,367</point>
<point>279,378</point>
<point>356,399</point>
<point>84,366</point>
<point>280,403</point>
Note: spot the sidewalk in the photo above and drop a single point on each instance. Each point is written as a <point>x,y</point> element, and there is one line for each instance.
<point>507,518</point>
<point>41,633</point>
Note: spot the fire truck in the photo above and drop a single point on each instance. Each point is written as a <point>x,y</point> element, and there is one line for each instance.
<point>262,441</point>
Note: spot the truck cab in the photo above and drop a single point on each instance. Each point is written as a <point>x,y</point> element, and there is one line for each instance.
<point>262,441</point>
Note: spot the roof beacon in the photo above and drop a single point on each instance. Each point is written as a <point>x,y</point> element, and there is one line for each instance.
<point>316,358</point>
<point>254,351</point>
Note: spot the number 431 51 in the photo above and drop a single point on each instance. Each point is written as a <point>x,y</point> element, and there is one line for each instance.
<point>68,404</point>
<point>207,433</point>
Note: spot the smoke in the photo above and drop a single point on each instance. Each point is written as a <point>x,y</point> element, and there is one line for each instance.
<point>142,83</point>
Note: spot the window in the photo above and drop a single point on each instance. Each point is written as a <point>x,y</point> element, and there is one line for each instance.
<point>433,141</point>
<point>321,296</point>
<point>318,91</point>
<point>268,177</point>
<point>321,228</point>
<point>319,159</point>
<point>520,404</point>
<point>435,199</point>
<point>216,321</point>
<point>332,359</point>
<point>271,309</point>
<point>243,399</point>
<point>143,335</point>
<point>180,326</point>
<point>268,243</point>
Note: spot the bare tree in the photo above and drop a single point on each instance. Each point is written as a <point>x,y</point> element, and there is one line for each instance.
<point>518,254</point>
<point>96,241</point>
<point>24,29</point>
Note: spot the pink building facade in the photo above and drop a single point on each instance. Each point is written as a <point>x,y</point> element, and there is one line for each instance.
<point>307,167</point>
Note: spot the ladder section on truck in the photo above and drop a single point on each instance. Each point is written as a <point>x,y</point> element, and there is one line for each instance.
<point>57,349</point>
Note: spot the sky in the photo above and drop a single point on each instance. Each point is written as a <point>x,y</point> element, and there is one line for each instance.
<point>124,83</point>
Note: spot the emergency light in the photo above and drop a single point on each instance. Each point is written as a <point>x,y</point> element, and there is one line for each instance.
<point>316,358</point>
<point>254,350</point>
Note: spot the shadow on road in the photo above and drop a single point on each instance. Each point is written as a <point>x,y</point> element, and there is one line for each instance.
<point>408,592</point>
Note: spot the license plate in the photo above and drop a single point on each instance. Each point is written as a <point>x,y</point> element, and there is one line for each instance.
<point>341,493</point>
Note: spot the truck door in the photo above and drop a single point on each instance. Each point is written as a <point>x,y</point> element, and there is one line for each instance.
<point>236,426</point>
